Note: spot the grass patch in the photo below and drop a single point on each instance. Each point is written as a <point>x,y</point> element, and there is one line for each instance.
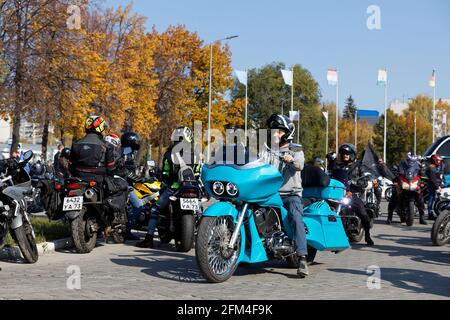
<point>46,230</point>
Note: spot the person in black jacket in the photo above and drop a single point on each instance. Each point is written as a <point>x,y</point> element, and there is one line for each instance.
<point>347,169</point>
<point>434,172</point>
<point>60,148</point>
<point>92,158</point>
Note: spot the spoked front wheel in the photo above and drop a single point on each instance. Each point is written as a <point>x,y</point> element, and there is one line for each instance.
<point>216,261</point>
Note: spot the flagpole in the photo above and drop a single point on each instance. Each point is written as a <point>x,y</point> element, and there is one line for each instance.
<point>415,132</point>
<point>434,107</point>
<point>326,144</point>
<point>356,130</point>
<point>292,91</point>
<point>298,127</point>
<point>246,111</point>
<point>337,113</point>
<point>385,118</point>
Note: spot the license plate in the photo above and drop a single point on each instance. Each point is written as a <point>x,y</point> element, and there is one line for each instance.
<point>73,203</point>
<point>189,204</point>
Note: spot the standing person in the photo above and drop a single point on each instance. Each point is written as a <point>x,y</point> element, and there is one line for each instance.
<point>345,169</point>
<point>434,172</point>
<point>290,167</point>
<point>60,148</point>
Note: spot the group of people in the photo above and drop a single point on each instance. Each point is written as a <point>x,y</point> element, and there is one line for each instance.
<point>96,157</point>
<point>432,174</point>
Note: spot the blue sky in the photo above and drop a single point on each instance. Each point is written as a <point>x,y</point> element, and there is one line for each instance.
<point>414,38</point>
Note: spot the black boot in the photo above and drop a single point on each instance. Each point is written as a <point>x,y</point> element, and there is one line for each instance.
<point>422,220</point>
<point>302,270</point>
<point>431,216</point>
<point>369,240</point>
<point>389,219</point>
<point>147,242</point>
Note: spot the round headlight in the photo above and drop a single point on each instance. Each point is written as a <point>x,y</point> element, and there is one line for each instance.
<point>232,190</point>
<point>218,188</point>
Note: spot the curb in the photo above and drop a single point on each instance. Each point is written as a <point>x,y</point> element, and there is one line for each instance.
<point>13,253</point>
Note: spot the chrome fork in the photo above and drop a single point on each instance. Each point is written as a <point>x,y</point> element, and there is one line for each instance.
<point>238,227</point>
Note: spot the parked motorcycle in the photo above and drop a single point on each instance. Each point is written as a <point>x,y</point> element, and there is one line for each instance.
<point>440,233</point>
<point>148,192</point>
<point>250,225</point>
<point>15,186</point>
<point>179,220</point>
<point>410,188</point>
<point>443,201</point>
<point>91,212</point>
<point>352,223</point>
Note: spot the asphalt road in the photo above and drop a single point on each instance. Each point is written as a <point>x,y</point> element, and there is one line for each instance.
<point>408,265</point>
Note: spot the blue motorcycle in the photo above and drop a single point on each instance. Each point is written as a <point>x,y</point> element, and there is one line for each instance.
<point>250,225</point>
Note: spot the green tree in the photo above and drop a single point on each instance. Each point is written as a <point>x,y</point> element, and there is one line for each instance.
<point>268,94</point>
<point>397,141</point>
<point>349,109</point>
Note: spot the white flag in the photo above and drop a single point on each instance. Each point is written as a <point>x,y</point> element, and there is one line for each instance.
<point>294,116</point>
<point>241,76</point>
<point>382,77</point>
<point>325,114</point>
<point>288,77</point>
<point>332,77</point>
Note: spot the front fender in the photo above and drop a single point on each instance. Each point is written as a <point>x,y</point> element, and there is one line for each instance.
<point>219,209</point>
<point>17,221</point>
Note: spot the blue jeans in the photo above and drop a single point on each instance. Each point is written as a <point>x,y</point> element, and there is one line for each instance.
<point>137,206</point>
<point>161,204</point>
<point>294,206</point>
<point>432,198</point>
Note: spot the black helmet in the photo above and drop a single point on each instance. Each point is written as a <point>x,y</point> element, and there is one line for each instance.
<point>37,169</point>
<point>182,133</point>
<point>131,140</point>
<point>65,153</point>
<point>282,122</point>
<point>347,148</point>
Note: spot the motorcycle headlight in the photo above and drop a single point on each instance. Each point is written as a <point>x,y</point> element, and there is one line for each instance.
<point>218,188</point>
<point>414,186</point>
<point>346,201</point>
<point>232,190</point>
<point>405,186</point>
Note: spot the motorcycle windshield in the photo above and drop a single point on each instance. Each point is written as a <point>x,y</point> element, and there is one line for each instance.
<point>255,181</point>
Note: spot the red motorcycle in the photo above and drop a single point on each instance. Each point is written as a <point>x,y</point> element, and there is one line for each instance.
<point>410,189</point>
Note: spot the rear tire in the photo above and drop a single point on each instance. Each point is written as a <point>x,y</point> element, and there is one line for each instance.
<point>186,235</point>
<point>410,214</point>
<point>83,239</point>
<point>440,233</point>
<point>357,237</point>
<point>27,242</point>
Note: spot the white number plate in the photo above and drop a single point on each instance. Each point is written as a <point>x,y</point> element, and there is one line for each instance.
<point>73,203</point>
<point>189,204</point>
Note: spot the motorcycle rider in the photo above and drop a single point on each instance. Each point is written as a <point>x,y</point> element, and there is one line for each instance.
<point>411,162</point>
<point>170,179</point>
<point>92,158</point>
<point>282,133</point>
<point>346,168</point>
<point>319,163</point>
<point>434,172</point>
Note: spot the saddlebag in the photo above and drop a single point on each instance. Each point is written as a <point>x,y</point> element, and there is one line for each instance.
<point>116,191</point>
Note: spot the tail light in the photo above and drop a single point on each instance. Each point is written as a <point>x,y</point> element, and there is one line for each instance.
<point>92,184</point>
<point>58,186</point>
<point>189,193</point>
<point>74,186</point>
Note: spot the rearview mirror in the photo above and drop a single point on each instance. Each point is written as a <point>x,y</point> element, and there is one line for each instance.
<point>294,147</point>
<point>27,156</point>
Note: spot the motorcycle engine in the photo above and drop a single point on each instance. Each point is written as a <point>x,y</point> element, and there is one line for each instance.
<point>267,222</point>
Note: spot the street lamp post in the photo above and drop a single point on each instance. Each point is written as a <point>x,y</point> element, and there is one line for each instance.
<point>210,91</point>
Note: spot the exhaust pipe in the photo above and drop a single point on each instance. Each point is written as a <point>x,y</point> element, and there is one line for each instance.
<point>90,194</point>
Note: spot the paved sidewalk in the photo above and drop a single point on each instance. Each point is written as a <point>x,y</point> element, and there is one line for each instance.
<point>411,268</point>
